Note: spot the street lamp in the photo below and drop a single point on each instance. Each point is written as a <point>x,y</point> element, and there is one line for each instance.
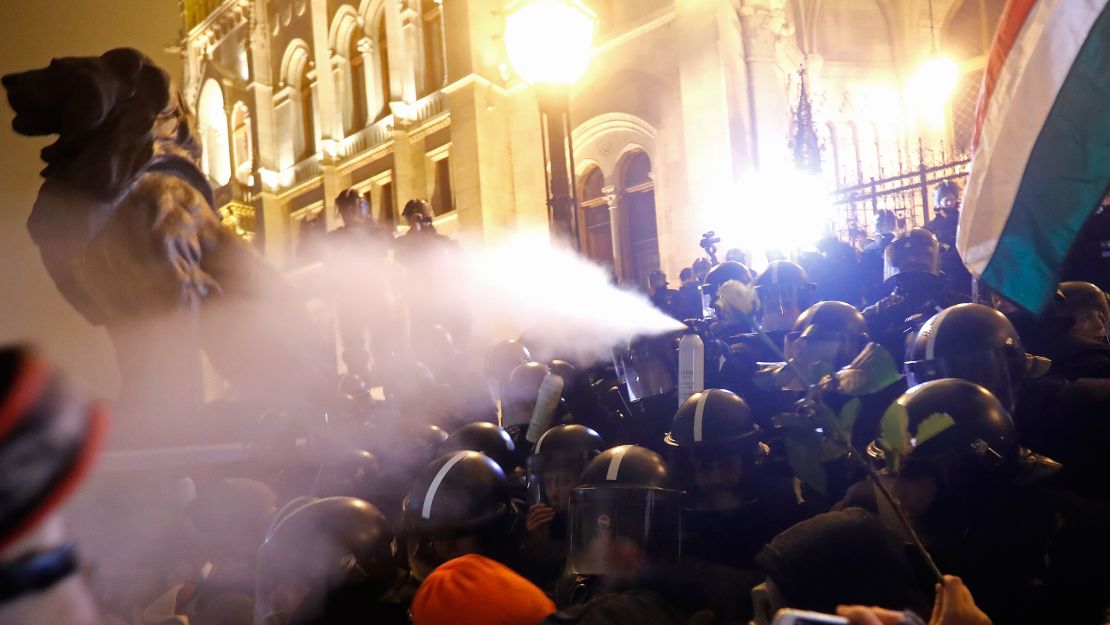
<point>549,43</point>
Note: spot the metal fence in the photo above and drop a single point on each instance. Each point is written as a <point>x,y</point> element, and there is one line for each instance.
<point>908,194</point>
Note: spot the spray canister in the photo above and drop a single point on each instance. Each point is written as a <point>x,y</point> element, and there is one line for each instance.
<point>547,402</point>
<point>691,366</point>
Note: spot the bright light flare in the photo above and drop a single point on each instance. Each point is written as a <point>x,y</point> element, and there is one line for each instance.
<point>550,42</point>
<point>931,88</point>
<point>775,212</point>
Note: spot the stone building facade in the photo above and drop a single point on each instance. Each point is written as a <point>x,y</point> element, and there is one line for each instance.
<point>300,99</point>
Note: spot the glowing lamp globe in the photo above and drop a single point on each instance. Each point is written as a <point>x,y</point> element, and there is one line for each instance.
<point>550,42</point>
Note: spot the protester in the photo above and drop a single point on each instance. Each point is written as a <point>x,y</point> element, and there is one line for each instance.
<point>473,590</point>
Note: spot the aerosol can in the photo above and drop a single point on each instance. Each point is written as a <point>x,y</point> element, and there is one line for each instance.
<point>691,366</point>
<point>547,402</point>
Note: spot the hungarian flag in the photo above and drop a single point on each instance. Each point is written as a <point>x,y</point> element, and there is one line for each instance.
<point>1041,149</point>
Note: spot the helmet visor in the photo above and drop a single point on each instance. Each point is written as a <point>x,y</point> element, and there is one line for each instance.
<point>646,368</point>
<point>621,531</point>
<point>552,476</point>
<point>818,354</point>
<point>989,369</point>
<point>919,259</point>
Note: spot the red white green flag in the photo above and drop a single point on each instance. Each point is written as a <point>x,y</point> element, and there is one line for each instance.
<point>1041,149</point>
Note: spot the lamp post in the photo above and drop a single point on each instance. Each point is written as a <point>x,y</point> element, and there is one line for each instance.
<point>549,43</point>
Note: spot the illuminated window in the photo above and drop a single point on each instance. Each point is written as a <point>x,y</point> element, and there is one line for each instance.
<point>381,48</point>
<point>442,199</point>
<point>244,148</point>
<point>356,69</point>
<point>212,127</point>
<point>595,230</point>
<point>637,204</point>
<point>387,213</point>
<point>308,114</point>
<point>434,70</point>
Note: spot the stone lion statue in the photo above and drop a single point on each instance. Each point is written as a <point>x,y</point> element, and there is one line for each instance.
<point>128,229</point>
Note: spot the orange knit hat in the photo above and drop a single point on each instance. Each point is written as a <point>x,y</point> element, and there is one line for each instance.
<point>473,590</point>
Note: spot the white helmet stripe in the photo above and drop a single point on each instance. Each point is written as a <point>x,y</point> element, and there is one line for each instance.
<point>774,273</point>
<point>698,412</point>
<point>930,343</point>
<point>429,498</point>
<point>615,463</point>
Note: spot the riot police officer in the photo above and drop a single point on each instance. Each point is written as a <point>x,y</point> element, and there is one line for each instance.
<point>724,272</point>
<point>911,270</point>
<point>329,561</point>
<point>1078,344</point>
<point>460,504</point>
<point>501,359</point>
<point>626,519</point>
<point>784,292</point>
<point>972,342</point>
<point>946,205</point>
<point>1057,417</point>
<point>557,461</point>
<point>520,399</point>
<point>986,510</point>
<point>486,438</point>
<point>733,506</point>
<point>356,259</point>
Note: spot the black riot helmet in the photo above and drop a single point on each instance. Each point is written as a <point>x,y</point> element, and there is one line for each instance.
<point>333,549</point>
<point>972,342</point>
<point>784,291</point>
<point>1076,298</point>
<point>348,473</point>
<point>826,337</point>
<point>722,273</point>
<point>626,516</point>
<point>459,494</point>
<point>711,418</point>
<point>519,397</point>
<point>485,438</point>
<point>501,359</point>
<point>916,252</point>
<point>714,447</point>
<point>981,435</point>
<point>557,462</point>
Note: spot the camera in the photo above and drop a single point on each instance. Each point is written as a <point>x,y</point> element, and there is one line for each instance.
<point>709,242</point>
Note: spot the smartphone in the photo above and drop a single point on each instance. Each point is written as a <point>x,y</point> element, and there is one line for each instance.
<point>803,617</point>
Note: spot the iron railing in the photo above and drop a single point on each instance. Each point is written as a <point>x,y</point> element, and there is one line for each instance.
<point>908,194</point>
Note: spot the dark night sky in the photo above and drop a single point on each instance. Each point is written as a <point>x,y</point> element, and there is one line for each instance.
<point>31,33</point>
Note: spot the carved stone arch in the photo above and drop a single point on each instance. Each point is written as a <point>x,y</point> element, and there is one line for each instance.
<point>296,55</point>
<point>346,18</point>
<point>605,138</point>
<point>370,11</point>
<point>606,141</point>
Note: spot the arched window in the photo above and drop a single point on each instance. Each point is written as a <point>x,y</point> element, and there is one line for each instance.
<point>308,113</point>
<point>212,127</point>
<point>435,72</point>
<point>594,227</point>
<point>241,142</point>
<point>638,213</point>
<point>356,71</point>
<point>381,49</point>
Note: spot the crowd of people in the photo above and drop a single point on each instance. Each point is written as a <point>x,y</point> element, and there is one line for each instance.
<point>522,491</point>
